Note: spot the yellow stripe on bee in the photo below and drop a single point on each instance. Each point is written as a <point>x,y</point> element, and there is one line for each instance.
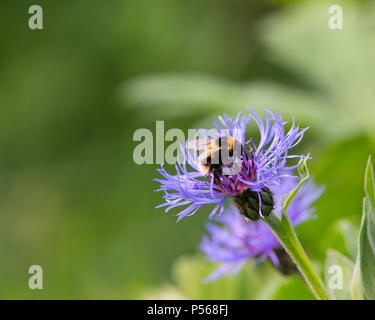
<point>230,142</point>
<point>214,144</point>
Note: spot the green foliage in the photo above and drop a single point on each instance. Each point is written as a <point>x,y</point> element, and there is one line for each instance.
<point>330,88</point>
<point>255,282</point>
<point>339,168</point>
<point>342,237</point>
<point>366,247</point>
<point>294,289</point>
<point>336,259</point>
<point>356,286</point>
<point>358,279</point>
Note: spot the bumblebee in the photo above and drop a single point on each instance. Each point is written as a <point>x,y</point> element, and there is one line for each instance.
<point>217,153</point>
<point>222,156</point>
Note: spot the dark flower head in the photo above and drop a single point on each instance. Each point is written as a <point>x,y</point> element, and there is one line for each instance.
<point>257,167</point>
<point>234,239</point>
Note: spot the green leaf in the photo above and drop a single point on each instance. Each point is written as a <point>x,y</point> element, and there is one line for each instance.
<point>356,285</point>
<point>370,181</point>
<point>338,275</point>
<point>342,236</point>
<point>366,248</point>
<point>304,174</point>
<point>170,95</point>
<point>370,203</point>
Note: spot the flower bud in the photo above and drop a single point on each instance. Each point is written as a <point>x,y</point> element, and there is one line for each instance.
<point>248,203</point>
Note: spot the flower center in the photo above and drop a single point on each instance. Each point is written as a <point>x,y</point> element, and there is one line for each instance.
<point>232,178</point>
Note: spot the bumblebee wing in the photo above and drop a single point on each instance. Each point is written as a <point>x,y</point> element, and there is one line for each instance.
<point>199,144</point>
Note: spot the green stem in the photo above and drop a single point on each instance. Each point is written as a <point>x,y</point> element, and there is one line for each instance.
<point>285,232</point>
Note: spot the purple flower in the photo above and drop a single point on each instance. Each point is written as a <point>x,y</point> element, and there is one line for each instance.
<point>258,166</point>
<point>235,239</point>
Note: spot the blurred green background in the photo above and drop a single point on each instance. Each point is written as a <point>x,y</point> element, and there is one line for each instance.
<point>71,95</point>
